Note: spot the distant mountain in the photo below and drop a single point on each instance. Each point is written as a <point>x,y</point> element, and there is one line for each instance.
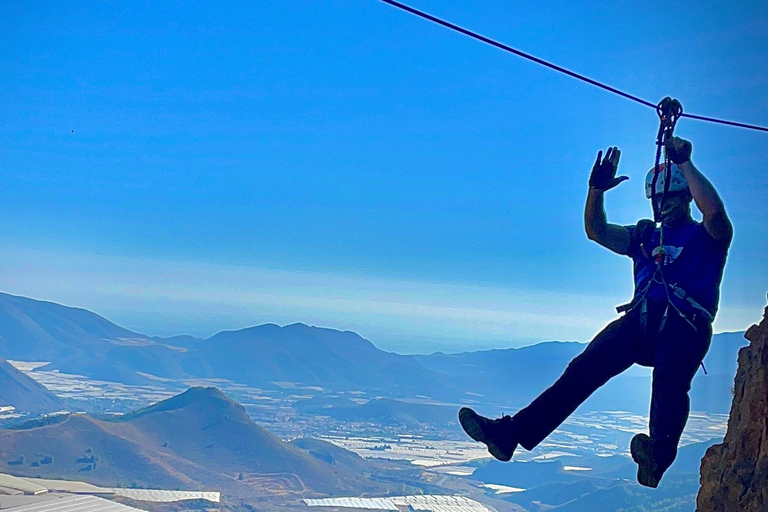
<point>35,330</point>
<point>78,341</point>
<point>24,393</point>
<point>515,375</point>
<point>382,411</point>
<point>198,438</point>
<point>320,405</point>
<point>519,375</point>
<point>311,356</point>
<point>181,340</point>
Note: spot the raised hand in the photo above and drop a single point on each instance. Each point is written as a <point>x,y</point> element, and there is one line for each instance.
<point>603,176</point>
<point>678,150</point>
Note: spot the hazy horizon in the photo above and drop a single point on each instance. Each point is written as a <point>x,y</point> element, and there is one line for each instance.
<point>386,176</point>
<point>403,345</point>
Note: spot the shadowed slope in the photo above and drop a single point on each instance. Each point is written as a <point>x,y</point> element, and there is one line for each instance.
<point>24,393</point>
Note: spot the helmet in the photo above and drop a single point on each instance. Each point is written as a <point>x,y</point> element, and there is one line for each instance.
<point>677,183</point>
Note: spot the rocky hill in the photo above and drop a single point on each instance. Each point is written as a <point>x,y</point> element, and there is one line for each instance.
<point>734,474</point>
<point>200,438</point>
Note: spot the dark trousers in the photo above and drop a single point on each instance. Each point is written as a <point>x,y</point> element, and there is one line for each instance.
<point>675,352</point>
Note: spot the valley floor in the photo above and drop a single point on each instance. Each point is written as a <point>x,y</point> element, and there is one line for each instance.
<point>441,457</point>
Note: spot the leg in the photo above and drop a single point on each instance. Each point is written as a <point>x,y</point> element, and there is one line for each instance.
<point>679,352</point>
<point>611,352</point>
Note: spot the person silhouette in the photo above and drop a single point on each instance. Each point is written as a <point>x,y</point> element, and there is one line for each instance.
<point>678,266</point>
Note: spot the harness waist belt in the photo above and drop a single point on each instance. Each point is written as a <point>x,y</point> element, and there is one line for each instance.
<point>677,292</point>
<point>682,294</point>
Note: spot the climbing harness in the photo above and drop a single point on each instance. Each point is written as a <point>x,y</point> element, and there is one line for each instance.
<point>669,111</point>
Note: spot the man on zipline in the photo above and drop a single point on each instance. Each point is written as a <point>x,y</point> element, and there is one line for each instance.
<point>668,325</point>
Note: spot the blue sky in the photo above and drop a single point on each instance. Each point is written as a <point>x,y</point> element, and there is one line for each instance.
<point>191,167</point>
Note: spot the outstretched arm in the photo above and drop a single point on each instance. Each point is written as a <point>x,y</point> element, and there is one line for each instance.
<point>611,236</point>
<point>707,200</point>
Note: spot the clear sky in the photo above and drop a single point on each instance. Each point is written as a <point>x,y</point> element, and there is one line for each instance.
<point>192,167</point>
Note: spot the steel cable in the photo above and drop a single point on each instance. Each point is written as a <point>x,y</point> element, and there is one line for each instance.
<point>560,69</point>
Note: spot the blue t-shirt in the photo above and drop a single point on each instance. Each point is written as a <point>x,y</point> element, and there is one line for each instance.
<point>692,260</point>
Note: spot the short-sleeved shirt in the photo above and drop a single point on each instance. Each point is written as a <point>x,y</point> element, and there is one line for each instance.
<point>692,260</point>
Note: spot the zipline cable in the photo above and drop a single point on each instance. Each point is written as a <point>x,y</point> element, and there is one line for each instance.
<point>537,60</point>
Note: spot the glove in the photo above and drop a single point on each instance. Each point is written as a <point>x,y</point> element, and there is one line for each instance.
<point>678,150</point>
<point>603,176</point>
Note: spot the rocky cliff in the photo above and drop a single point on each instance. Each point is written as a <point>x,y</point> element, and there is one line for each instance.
<point>734,474</point>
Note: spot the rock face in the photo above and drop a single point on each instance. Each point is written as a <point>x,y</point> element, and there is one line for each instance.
<point>734,474</point>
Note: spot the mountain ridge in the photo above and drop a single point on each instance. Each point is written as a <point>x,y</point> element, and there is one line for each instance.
<point>266,354</point>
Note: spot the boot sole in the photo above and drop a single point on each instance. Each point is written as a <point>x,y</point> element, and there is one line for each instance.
<point>646,467</point>
<point>468,421</point>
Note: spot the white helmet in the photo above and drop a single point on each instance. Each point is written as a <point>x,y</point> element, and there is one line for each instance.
<point>677,183</point>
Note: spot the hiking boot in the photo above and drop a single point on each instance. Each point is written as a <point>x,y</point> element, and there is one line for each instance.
<point>497,435</point>
<point>642,453</point>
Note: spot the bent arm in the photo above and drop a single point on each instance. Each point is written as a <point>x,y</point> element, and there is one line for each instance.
<point>710,205</point>
<point>611,236</point>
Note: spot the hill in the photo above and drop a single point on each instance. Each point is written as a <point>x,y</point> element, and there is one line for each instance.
<point>78,341</point>
<point>198,438</point>
<point>24,393</point>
